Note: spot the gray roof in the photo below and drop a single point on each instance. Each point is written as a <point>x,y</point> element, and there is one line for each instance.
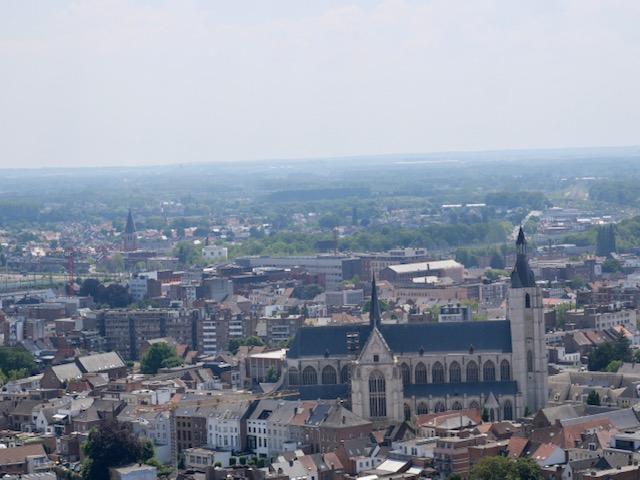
<point>488,336</point>
<point>100,362</point>
<point>67,371</point>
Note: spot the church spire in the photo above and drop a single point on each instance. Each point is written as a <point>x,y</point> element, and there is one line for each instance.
<point>522,275</point>
<point>131,227</point>
<point>374,309</point>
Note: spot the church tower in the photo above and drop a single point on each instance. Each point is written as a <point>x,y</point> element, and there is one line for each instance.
<point>129,238</point>
<point>376,384</point>
<point>526,315</point>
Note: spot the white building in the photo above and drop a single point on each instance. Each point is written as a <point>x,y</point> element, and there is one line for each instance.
<point>214,253</point>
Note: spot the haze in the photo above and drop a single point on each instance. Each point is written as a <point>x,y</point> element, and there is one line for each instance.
<point>143,83</point>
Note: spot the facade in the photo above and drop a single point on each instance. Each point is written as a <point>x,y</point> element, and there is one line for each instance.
<point>394,371</point>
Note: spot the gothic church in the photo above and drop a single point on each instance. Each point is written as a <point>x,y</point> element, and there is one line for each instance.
<point>392,371</point>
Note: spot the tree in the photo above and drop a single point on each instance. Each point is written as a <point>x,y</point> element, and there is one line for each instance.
<point>497,261</point>
<point>602,356</point>
<point>611,265</point>
<point>110,446</point>
<point>593,398</point>
<point>159,355</point>
<point>613,366</point>
<point>236,343</point>
<point>503,468</point>
<point>272,376</point>
<point>16,362</point>
<point>188,254</point>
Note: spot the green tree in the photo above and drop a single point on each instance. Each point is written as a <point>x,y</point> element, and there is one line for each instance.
<point>503,468</point>
<point>613,366</point>
<point>16,362</point>
<point>159,355</point>
<point>611,265</point>
<point>110,446</point>
<point>188,254</point>
<point>593,398</point>
<point>561,314</point>
<point>236,343</point>
<point>272,376</point>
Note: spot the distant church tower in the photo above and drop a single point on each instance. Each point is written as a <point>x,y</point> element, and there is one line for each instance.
<point>526,314</point>
<point>129,238</point>
<point>376,383</point>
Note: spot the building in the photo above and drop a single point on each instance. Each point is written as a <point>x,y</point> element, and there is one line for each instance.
<point>409,273</point>
<point>134,472</point>
<point>373,264</point>
<point>333,269</point>
<point>454,313</point>
<point>214,253</point>
<point>392,371</point>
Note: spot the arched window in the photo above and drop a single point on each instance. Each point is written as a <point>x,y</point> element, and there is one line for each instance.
<point>406,374</point>
<point>492,415</point>
<point>293,376</point>
<point>437,373</point>
<point>472,372</point>
<point>505,371</point>
<point>489,371</point>
<point>529,361</point>
<point>309,376</point>
<point>507,410</point>
<point>455,375</point>
<point>456,406</point>
<point>407,412</point>
<point>422,408</point>
<point>439,407</point>
<point>329,375</point>
<point>421,374</point>
<point>377,396</point>
<point>345,374</point>
<point>527,300</point>
<point>474,405</point>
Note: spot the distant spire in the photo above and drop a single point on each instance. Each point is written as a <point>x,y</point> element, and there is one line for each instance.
<point>131,227</point>
<point>521,242</point>
<point>522,275</point>
<point>374,309</point>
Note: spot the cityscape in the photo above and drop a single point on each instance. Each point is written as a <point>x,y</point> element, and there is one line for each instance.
<point>197,287</point>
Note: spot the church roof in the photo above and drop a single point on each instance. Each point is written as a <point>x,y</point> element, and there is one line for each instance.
<point>323,392</point>
<point>491,336</point>
<point>454,389</point>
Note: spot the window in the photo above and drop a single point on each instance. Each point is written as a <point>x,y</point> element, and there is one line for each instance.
<point>529,361</point>
<point>527,301</point>
<point>505,371</point>
<point>421,374</point>
<point>456,406</point>
<point>329,375</point>
<point>345,374</point>
<point>376,358</point>
<point>440,407</point>
<point>455,376</point>
<point>472,372</point>
<point>309,376</point>
<point>507,410</point>
<point>422,409</point>
<point>293,376</point>
<point>474,405</point>
<point>489,371</point>
<point>377,395</point>
<point>437,373</point>
<point>406,374</point>
<point>407,412</point>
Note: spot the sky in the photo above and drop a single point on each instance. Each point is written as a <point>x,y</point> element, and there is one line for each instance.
<point>117,82</point>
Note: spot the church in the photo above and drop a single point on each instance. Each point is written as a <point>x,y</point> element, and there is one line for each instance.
<point>389,372</point>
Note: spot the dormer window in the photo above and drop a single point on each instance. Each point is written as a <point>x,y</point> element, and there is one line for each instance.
<point>376,358</point>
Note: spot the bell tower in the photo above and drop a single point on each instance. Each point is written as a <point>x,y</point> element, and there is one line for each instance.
<point>526,315</point>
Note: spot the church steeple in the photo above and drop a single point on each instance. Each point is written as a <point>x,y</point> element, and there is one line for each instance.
<point>522,275</point>
<point>129,238</point>
<point>374,309</point>
<point>130,227</point>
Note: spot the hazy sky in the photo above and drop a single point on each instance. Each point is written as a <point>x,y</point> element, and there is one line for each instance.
<point>102,82</point>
